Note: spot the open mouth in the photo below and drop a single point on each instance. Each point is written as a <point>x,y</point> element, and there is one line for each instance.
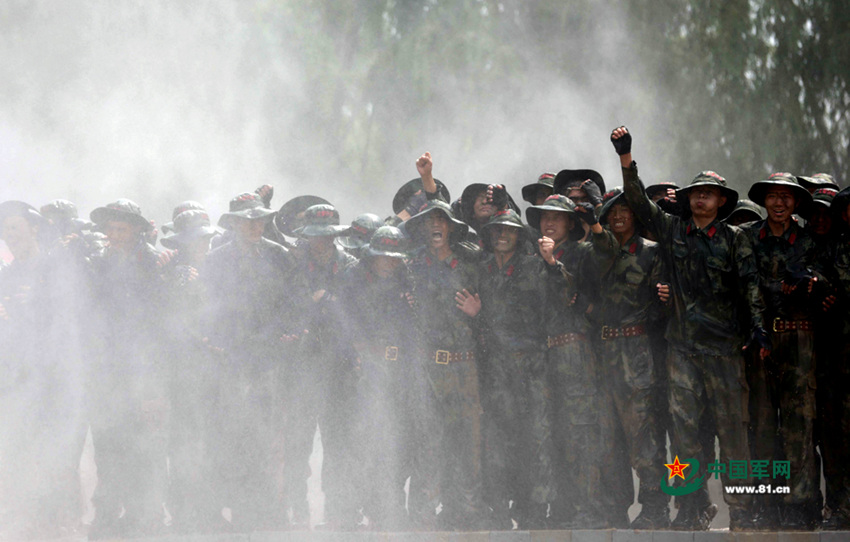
<point>437,235</point>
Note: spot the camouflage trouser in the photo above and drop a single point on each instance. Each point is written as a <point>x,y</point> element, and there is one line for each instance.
<point>786,382</point>
<point>709,388</point>
<point>582,434</point>
<point>453,445</point>
<point>835,437</point>
<point>249,447</point>
<point>631,375</point>
<point>518,448</point>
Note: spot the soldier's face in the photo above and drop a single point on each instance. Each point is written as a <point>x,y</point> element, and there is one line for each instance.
<point>621,219</point>
<point>318,246</point>
<point>249,231</point>
<point>555,225</point>
<point>121,235</point>
<point>705,201</point>
<point>821,220</point>
<point>384,266</point>
<point>541,194</point>
<point>482,209</point>
<point>437,229</point>
<point>19,234</point>
<point>780,202</point>
<point>504,239</point>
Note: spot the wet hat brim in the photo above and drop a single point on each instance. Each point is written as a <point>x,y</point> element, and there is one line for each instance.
<point>567,176</point>
<point>102,215</point>
<point>811,182</point>
<point>413,186</point>
<point>529,191</point>
<point>313,230</point>
<point>759,189</point>
<point>176,240</point>
<point>534,212</point>
<point>368,250</point>
<point>286,219</point>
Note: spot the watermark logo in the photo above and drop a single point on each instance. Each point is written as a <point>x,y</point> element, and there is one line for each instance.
<point>678,469</point>
<point>758,469</point>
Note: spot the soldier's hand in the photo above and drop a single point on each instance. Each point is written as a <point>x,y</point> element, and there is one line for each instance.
<point>411,300</point>
<point>497,195</point>
<point>546,246</point>
<point>671,195</point>
<point>318,295</point>
<point>760,340</point>
<point>165,258</point>
<point>663,290</point>
<point>586,213</point>
<point>593,192</point>
<point>266,193</point>
<point>622,140</point>
<point>469,304</point>
<point>289,338</point>
<point>829,302</point>
<point>573,299</point>
<point>416,201</point>
<point>425,165</point>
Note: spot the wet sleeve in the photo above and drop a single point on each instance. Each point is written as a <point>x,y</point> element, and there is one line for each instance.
<point>650,215</point>
<point>748,279</point>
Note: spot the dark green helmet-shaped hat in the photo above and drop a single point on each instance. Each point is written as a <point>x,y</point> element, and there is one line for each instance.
<point>289,217</point>
<point>187,205</point>
<point>19,208</point>
<point>122,210</point>
<point>505,217</point>
<point>546,181</point>
<point>415,224</point>
<point>803,197</point>
<point>818,180</point>
<point>388,241</point>
<point>320,221</point>
<point>709,178</point>
<point>748,209</point>
<point>413,186</point>
<point>246,206</point>
<point>361,230</point>
<point>824,196</point>
<point>567,178</point>
<point>187,227</point>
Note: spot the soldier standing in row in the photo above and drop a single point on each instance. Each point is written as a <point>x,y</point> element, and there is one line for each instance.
<point>713,273</point>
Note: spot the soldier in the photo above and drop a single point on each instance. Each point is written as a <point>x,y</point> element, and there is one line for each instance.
<point>416,192</point>
<point>581,408</point>
<point>581,186</point>
<point>378,318</point>
<point>326,385</point>
<point>256,305</point>
<point>745,211</point>
<point>129,404</point>
<point>834,398</point>
<point>192,391</point>
<point>783,386</point>
<point>446,286</point>
<point>629,309</point>
<point>536,193</point>
<point>818,180</point>
<point>819,224</point>
<point>713,278</point>
<point>358,235</point>
<point>517,431</point>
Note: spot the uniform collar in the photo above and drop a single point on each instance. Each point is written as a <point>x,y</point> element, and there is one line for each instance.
<point>790,234</point>
<point>710,231</point>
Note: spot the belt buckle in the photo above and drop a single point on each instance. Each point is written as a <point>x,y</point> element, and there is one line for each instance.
<point>604,333</point>
<point>776,325</point>
<point>444,355</point>
<point>391,353</point>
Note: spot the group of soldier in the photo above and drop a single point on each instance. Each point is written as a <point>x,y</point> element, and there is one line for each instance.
<point>466,370</point>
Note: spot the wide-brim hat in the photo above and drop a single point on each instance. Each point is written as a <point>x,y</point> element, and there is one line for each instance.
<point>608,205</point>
<point>818,180</point>
<point>824,197</point>
<point>320,220</point>
<point>708,178</point>
<point>413,186</point>
<point>506,217</point>
<point>19,208</point>
<point>804,199</point>
<point>387,241</point>
<point>361,230</point>
<point>413,225</point>
<point>246,206</point>
<point>566,177</point>
<point>748,207</point>
<point>189,226</point>
<point>188,205</point>
<point>467,201</point>
<point>122,210</point>
<point>289,216</point>
<point>546,180</point>
<point>59,209</point>
<point>654,189</point>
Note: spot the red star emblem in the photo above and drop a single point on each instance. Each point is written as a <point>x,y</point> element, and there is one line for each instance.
<point>677,469</point>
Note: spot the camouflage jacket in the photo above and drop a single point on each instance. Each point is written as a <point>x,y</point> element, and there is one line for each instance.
<point>837,268</point>
<point>628,293</point>
<point>255,296</point>
<point>575,275</point>
<point>442,325</point>
<point>713,276</point>
<point>512,301</point>
<point>791,257</point>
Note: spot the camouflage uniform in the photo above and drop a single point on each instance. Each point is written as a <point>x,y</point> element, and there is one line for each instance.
<point>581,408</point>
<point>387,414</point>
<point>714,278</point>
<point>518,451</point>
<point>628,310</point>
<point>786,380</point>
